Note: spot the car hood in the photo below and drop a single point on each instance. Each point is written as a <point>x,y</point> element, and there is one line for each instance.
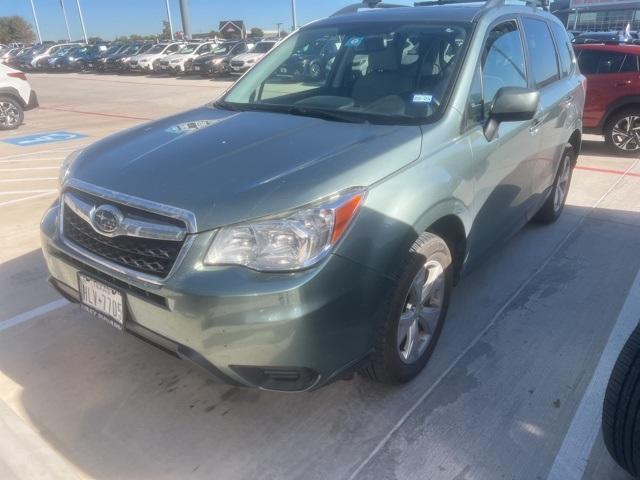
<point>249,56</point>
<point>146,56</point>
<point>179,56</point>
<point>227,166</point>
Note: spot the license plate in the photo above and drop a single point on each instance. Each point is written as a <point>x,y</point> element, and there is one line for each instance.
<point>91,65</point>
<point>197,68</point>
<point>105,302</point>
<point>236,68</point>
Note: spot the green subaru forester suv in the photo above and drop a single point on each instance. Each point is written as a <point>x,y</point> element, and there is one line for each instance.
<point>300,229</point>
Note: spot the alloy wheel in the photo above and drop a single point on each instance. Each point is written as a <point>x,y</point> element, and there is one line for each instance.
<point>9,114</point>
<point>626,133</point>
<point>562,185</point>
<point>422,311</point>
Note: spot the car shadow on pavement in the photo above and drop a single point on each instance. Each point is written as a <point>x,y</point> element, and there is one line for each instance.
<point>116,407</point>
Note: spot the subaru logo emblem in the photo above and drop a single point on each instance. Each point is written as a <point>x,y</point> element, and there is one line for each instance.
<point>106,219</point>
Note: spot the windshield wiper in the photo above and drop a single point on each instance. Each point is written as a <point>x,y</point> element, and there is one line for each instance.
<point>332,115</point>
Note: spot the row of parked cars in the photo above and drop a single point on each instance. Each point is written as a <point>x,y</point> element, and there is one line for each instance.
<point>206,58</point>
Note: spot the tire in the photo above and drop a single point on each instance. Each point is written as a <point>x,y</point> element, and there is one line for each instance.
<point>626,120</point>
<point>11,113</point>
<point>554,205</point>
<point>394,361</point>
<point>621,410</point>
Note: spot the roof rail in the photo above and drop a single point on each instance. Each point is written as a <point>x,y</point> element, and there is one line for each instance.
<point>365,4</point>
<point>544,4</point>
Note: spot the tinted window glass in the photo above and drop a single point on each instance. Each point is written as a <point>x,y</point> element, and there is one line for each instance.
<point>542,52</point>
<point>564,48</point>
<point>502,61</point>
<point>594,62</point>
<point>630,64</point>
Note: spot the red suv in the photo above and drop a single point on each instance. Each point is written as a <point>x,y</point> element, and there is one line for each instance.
<point>612,106</point>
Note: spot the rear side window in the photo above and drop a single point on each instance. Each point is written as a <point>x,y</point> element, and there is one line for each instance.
<point>502,62</point>
<point>598,62</point>
<point>630,64</point>
<point>564,48</point>
<point>542,52</point>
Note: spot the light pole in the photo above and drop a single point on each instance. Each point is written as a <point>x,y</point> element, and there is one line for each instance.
<point>294,15</point>
<point>279,24</point>
<point>35,17</point>
<point>66,22</point>
<point>169,18</point>
<point>186,25</point>
<point>84,31</point>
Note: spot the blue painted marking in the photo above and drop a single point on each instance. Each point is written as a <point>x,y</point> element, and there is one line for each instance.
<point>40,138</point>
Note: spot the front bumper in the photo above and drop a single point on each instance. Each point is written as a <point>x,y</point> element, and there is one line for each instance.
<point>290,332</point>
<point>33,101</point>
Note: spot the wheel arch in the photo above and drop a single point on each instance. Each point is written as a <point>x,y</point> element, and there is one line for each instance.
<point>617,106</point>
<point>13,94</point>
<point>576,144</point>
<point>451,229</point>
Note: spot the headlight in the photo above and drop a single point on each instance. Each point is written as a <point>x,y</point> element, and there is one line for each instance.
<point>66,165</point>
<point>292,241</point>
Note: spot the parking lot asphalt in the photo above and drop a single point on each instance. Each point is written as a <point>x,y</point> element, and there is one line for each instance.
<point>513,390</point>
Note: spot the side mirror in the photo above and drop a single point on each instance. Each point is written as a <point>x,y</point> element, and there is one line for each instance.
<point>511,104</point>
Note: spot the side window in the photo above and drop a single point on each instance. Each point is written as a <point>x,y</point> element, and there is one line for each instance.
<point>630,64</point>
<point>564,48</point>
<point>502,62</point>
<point>475,106</point>
<point>542,52</point>
<point>173,49</point>
<point>597,62</point>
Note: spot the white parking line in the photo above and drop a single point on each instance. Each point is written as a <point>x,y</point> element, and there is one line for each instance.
<point>31,197</point>
<point>36,312</point>
<point>26,169</point>
<point>13,180</point>
<point>25,160</point>
<point>489,326</point>
<point>573,456</point>
<point>29,192</point>
<point>40,152</point>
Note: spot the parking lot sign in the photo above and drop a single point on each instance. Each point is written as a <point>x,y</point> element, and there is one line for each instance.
<point>40,138</point>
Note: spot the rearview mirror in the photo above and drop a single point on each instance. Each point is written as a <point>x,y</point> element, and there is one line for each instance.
<point>511,104</point>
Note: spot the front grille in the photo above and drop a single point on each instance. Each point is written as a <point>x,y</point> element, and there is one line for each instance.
<point>145,255</point>
<point>237,64</point>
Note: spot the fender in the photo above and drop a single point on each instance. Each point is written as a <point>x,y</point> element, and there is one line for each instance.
<point>12,92</point>
<point>619,103</point>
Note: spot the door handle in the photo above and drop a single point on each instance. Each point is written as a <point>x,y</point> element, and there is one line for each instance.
<point>535,126</point>
<point>566,101</point>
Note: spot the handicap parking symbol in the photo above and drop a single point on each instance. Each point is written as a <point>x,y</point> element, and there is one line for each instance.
<point>40,138</point>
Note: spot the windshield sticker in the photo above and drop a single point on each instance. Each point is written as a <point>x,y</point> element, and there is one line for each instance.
<point>354,42</point>
<point>190,127</point>
<point>422,98</point>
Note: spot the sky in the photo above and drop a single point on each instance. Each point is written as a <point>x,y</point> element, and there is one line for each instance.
<point>111,18</point>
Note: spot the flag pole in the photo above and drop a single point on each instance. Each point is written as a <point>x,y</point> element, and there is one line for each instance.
<point>35,17</point>
<point>169,18</point>
<point>84,31</point>
<point>66,21</point>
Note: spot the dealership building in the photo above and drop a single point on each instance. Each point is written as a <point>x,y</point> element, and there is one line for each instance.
<point>598,15</point>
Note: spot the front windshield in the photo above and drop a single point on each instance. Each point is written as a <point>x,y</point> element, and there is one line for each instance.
<point>187,49</point>
<point>379,72</point>
<point>263,47</point>
<point>226,48</point>
<point>159,48</point>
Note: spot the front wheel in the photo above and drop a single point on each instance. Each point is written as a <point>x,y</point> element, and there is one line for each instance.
<point>621,410</point>
<point>622,132</point>
<point>11,113</point>
<point>416,313</point>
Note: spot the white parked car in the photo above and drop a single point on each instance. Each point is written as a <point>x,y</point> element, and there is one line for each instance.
<point>244,62</point>
<point>149,61</point>
<point>178,62</point>
<point>16,96</point>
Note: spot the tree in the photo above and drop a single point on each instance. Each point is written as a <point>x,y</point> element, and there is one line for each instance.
<point>283,33</point>
<point>257,32</point>
<point>166,29</point>
<point>15,29</point>
<point>95,40</point>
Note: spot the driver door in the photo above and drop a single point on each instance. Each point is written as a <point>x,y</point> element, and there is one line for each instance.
<point>503,167</point>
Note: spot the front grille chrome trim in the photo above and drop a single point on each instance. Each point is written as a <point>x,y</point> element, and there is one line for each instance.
<point>83,255</point>
<point>128,226</point>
